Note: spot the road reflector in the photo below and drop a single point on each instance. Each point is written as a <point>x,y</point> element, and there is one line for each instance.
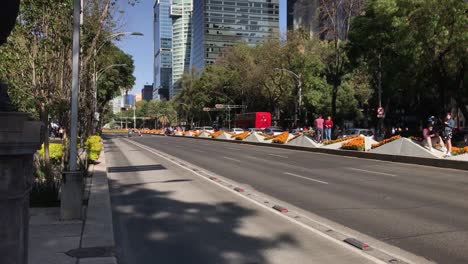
<point>280,209</point>
<point>357,243</point>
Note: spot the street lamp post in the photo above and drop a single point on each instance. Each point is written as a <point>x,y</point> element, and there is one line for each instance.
<point>298,103</point>
<point>95,79</point>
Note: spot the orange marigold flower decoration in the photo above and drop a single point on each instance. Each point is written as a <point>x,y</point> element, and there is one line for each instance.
<point>242,135</point>
<point>295,136</point>
<point>328,142</point>
<point>282,138</point>
<point>385,141</point>
<point>458,151</point>
<point>354,144</point>
<point>216,134</point>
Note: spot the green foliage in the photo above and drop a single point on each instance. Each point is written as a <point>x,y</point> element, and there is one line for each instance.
<point>93,147</point>
<point>55,152</point>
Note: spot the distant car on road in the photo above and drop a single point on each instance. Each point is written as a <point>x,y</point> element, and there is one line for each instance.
<point>253,129</point>
<point>208,129</point>
<point>357,131</point>
<point>236,130</point>
<point>273,131</point>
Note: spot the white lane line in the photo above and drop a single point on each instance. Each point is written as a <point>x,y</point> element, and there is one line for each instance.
<point>305,178</point>
<point>280,156</point>
<point>373,172</point>
<point>228,158</point>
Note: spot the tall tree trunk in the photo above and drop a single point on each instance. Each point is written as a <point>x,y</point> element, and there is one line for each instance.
<point>44,114</point>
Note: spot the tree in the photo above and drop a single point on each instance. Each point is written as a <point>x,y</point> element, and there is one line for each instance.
<point>335,17</point>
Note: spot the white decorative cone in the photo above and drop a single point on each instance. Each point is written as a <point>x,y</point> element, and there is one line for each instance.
<point>225,135</point>
<point>204,134</point>
<point>254,137</point>
<point>303,141</point>
<point>407,147</point>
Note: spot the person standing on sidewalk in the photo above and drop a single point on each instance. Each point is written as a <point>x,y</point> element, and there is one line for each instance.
<point>319,128</point>
<point>449,124</point>
<point>328,124</point>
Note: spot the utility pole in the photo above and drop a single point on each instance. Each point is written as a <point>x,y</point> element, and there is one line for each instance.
<point>72,193</point>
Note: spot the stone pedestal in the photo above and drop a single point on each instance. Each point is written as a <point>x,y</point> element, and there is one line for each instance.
<point>19,140</point>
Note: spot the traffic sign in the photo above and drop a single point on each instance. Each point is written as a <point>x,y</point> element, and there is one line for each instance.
<point>380,111</point>
<point>219,106</point>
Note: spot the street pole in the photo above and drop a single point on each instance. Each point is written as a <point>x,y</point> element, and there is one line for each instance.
<point>134,117</point>
<point>71,198</point>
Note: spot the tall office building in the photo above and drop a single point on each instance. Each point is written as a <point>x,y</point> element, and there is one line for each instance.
<point>162,48</point>
<point>147,93</point>
<point>303,14</point>
<point>181,13</point>
<point>221,23</point>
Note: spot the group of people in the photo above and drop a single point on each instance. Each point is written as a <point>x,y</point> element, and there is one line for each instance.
<point>439,133</point>
<point>323,128</point>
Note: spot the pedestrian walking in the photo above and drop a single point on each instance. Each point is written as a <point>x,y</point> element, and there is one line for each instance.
<point>319,128</point>
<point>328,127</point>
<point>449,124</point>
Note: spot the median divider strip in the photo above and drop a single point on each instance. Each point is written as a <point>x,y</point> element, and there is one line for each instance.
<point>440,163</point>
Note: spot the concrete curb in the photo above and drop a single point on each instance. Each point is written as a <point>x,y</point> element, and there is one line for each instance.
<point>440,163</point>
<point>98,228</point>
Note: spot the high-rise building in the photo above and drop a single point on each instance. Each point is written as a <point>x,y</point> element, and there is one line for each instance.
<point>181,13</point>
<point>138,97</point>
<point>221,23</point>
<point>303,14</point>
<point>147,93</point>
<point>162,48</point>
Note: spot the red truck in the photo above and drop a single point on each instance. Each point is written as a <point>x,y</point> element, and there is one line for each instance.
<point>260,120</point>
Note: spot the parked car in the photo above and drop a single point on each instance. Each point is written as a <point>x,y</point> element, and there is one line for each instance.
<point>273,131</point>
<point>208,129</point>
<point>197,129</point>
<point>236,130</point>
<point>357,131</point>
<point>253,129</point>
<point>295,131</point>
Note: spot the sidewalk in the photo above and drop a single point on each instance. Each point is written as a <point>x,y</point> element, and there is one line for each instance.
<point>52,241</point>
<point>166,214</point>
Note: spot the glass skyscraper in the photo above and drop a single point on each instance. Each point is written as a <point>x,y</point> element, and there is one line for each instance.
<point>181,13</point>
<point>162,48</point>
<point>221,23</point>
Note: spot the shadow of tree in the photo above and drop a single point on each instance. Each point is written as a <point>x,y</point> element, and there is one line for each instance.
<point>151,227</point>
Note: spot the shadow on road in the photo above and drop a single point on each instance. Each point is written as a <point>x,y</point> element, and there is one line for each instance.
<point>151,227</point>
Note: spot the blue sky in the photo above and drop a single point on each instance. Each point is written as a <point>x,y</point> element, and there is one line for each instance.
<point>139,18</point>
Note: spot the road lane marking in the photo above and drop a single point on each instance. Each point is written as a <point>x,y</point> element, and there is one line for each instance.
<point>374,172</point>
<point>228,158</point>
<point>280,156</point>
<point>305,178</point>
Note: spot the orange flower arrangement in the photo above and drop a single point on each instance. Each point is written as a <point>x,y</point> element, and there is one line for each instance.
<point>385,141</point>
<point>328,142</point>
<point>241,136</point>
<point>281,138</point>
<point>419,139</point>
<point>196,134</point>
<point>295,136</point>
<point>354,144</point>
<point>114,130</point>
<point>216,134</point>
<point>458,151</point>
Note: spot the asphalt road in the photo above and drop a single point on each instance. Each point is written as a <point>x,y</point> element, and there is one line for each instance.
<point>423,210</point>
<point>163,213</point>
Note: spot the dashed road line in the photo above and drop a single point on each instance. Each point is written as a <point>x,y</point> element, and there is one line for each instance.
<point>232,159</point>
<point>305,178</point>
<point>373,172</point>
<point>279,156</point>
